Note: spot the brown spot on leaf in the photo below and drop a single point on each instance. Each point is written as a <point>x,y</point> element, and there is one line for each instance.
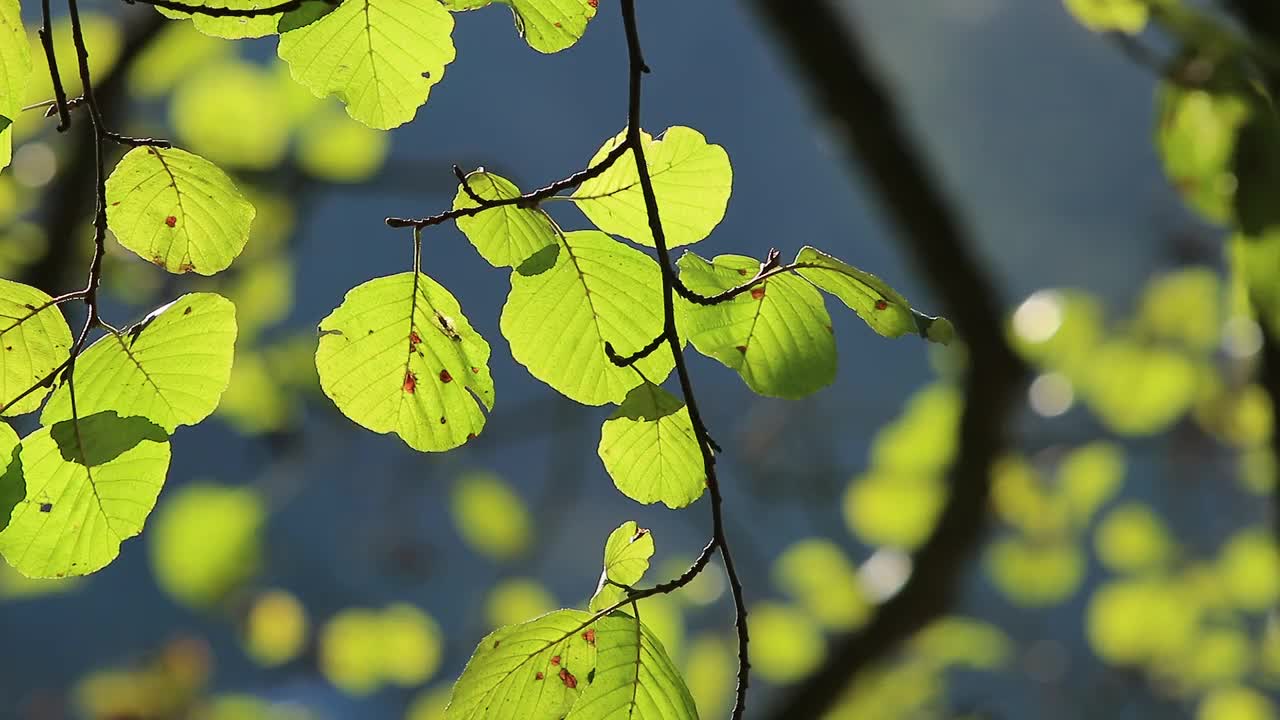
<point>414,339</point>
<point>158,260</point>
<point>538,675</point>
<point>475,369</point>
<point>445,377</point>
<point>555,659</point>
<point>46,507</point>
<point>557,24</point>
<point>567,677</point>
<point>594,3</point>
<point>442,420</point>
<point>757,293</point>
<point>590,636</point>
<point>171,221</point>
<point>471,436</point>
<point>742,271</point>
<point>186,267</point>
<point>187,311</point>
<point>426,75</point>
<point>496,643</point>
<point>882,305</point>
<point>742,349</point>
<point>410,381</point>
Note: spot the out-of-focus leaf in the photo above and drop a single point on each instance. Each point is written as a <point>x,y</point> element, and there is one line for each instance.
<point>207,542</point>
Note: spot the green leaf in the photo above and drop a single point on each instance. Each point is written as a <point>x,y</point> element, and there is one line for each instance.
<point>231,28</point>
<point>90,485</point>
<point>308,12</point>
<point>15,72</point>
<point>636,678</point>
<point>777,336</point>
<point>177,210</point>
<point>650,450</point>
<point>626,560</point>
<point>379,57</point>
<point>1126,16</point>
<point>34,339</point>
<point>532,671</point>
<point>559,319</point>
<point>505,236</point>
<point>12,487</point>
<point>399,356</point>
<point>171,368</point>
<point>881,307</point>
<point>547,25</point>
<point>1196,138</point>
<point>490,516</point>
<point>691,178</point>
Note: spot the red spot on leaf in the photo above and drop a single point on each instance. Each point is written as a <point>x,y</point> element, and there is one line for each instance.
<point>538,675</point>
<point>171,221</point>
<point>471,436</point>
<point>414,338</point>
<point>594,3</point>
<point>568,679</point>
<point>757,293</point>
<point>882,305</point>
<point>555,659</point>
<point>410,381</point>
<point>445,377</point>
<point>590,636</point>
<point>475,369</point>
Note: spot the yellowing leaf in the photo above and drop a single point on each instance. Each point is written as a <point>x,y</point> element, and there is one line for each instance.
<point>379,57</point>
<point>399,356</point>
<point>34,339</point>
<point>276,628</point>
<point>691,178</point>
<point>177,210</point>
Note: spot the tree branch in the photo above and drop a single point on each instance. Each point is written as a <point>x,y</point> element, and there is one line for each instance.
<point>835,65</point>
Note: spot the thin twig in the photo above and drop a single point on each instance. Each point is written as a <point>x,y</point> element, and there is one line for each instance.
<point>529,199</point>
<point>638,68</point>
<point>51,59</point>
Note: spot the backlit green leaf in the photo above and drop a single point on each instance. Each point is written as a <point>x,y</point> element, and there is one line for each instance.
<point>691,178</point>
<point>34,339</point>
<point>626,560</point>
<point>1196,139</point>
<point>399,356</point>
<point>231,28</point>
<point>505,236</point>
<point>532,671</point>
<point>177,210</point>
<point>588,290</point>
<point>649,448</point>
<point>171,368</point>
<point>777,336</point>
<point>1127,16</point>
<point>635,679</point>
<point>379,57</point>
<point>547,25</point>
<point>90,485</point>
<point>15,72</point>
<point>884,309</point>
<point>308,12</point>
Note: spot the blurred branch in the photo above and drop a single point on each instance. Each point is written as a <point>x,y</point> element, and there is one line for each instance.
<point>832,61</point>
<point>68,197</point>
<point>1261,18</point>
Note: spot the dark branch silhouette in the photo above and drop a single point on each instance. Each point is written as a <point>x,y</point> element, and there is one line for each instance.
<point>830,59</point>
